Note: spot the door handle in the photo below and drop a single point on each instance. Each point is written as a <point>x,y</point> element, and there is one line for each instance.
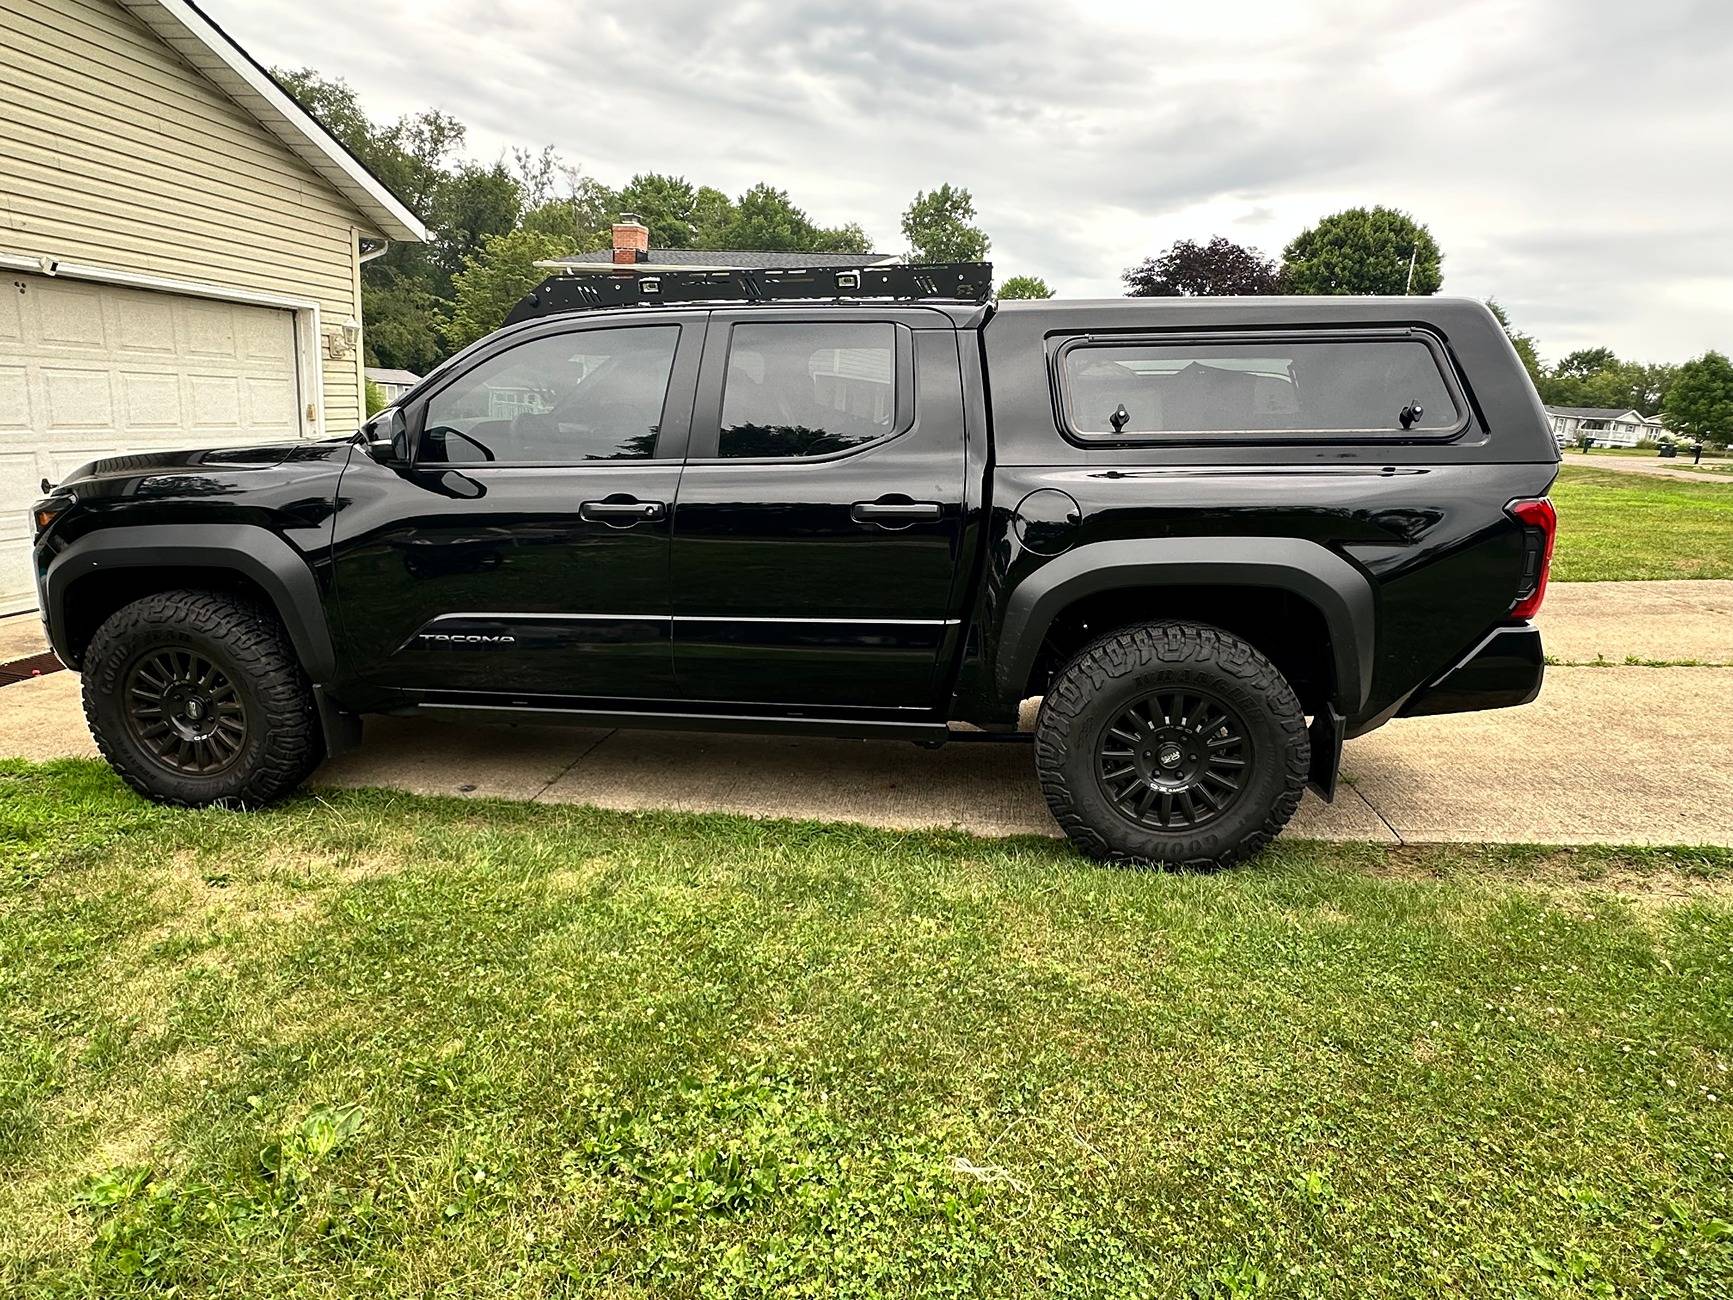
<point>892,514</point>
<point>614,511</point>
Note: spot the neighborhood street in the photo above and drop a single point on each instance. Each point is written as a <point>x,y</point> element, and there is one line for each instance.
<point>1608,754</point>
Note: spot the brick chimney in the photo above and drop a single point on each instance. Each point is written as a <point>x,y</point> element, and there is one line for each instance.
<point>631,240</point>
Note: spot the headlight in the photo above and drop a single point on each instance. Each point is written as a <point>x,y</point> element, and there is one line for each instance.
<point>45,512</point>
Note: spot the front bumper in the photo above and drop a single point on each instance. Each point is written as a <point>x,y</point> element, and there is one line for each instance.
<point>1503,671</point>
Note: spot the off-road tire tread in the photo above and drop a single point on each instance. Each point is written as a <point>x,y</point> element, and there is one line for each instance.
<point>1169,644</point>
<point>255,641</point>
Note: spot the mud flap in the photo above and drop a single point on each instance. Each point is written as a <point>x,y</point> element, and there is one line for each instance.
<point>1326,735</point>
<point>342,729</point>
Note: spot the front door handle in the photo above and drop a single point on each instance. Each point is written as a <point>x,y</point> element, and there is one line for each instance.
<point>622,512</point>
<point>896,514</point>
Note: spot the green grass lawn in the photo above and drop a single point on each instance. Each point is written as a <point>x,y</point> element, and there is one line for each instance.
<point>1615,525</point>
<point>372,1044</point>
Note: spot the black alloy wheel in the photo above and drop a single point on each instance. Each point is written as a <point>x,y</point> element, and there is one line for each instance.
<point>183,710</point>
<point>1173,760</point>
<point>1172,743</point>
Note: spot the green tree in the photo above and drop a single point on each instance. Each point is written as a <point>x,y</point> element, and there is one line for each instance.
<point>712,210</point>
<point>1596,377</point>
<point>1363,250</point>
<point>1586,363</point>
<point>405,293</point>
<point>1523,343</point>
<point>375,396</point>
<point>668,205</point>
<point>1699,403</point>
<point>1647,385</point>
<point>496,278</point>
<point>403,321</point>
<point>940,227</point>
<point>850,238</point>
<point>583,217</point>
<point>766,220</point>
<point>471,206</point>
<point>1024,286</point>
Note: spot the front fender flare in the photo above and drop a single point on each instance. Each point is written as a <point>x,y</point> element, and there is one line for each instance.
<point>254,552</point>
<point>1339,591</point>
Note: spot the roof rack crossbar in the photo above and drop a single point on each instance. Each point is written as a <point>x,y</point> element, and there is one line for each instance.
<point>941,281</point>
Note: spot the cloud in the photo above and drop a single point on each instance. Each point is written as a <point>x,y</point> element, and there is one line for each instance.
<point>1570,155</point>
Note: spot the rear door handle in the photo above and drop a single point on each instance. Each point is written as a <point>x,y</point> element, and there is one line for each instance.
<point>621,512</point>
<point>894,513</point>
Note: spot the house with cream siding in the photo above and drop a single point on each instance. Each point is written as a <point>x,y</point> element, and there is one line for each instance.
<point>180,249</point>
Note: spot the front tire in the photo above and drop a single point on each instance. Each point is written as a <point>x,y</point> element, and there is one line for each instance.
<point>196,698</point>
<point>1171,743</point>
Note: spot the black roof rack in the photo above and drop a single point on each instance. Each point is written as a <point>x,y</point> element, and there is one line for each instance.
<point>581,291</point>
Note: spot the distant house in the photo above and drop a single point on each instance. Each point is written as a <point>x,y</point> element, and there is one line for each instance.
<point>1608,426</point>
<point>631,248</point>
<point>393,383</point>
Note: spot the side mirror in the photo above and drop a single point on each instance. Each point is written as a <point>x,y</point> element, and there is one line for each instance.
<point>387,437</point>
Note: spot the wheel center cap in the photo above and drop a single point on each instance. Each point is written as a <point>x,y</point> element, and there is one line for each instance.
<point>195,710</point>
<point>1169,755</point>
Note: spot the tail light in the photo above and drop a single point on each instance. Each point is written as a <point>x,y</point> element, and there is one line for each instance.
<point>1539,527</point>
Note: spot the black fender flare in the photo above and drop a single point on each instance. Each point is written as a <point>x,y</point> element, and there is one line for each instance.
<point>1336,588</point>
<point>248,549</point>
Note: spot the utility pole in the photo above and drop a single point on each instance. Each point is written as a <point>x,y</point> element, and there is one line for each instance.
<point>1409,287</point>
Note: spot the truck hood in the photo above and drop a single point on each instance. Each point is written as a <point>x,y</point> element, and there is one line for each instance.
<point>205,459</point>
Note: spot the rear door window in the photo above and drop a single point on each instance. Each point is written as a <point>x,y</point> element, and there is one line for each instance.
<point>1392,387</point>
<point>800,389</point>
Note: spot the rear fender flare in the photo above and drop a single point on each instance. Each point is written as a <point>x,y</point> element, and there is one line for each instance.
<point>1335,587</point>
<point>254,552</point>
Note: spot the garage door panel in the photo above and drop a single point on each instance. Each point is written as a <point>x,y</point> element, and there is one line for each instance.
<point>145,325</point>
<point>15,398</point>
<point>20,485</point>
<point>69,316</point>
<point>216,401</point>
<point>211,331</point>
<point>269,340</point>
<point>11,307</point>
<point>270,404</point>
<point>94,371</point>
<point>77,401</point>
<point>151,400</point>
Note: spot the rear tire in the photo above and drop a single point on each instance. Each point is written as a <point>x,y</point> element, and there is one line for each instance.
<point>196,698</point>
<point>1174,744</point>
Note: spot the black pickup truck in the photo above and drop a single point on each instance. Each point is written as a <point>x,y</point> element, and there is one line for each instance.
<point>1215,537</point>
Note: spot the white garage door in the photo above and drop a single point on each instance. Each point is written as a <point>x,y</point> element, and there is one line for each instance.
<point>90,370</point>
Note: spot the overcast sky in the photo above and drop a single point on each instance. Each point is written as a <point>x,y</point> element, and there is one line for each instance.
<point>1574,158</point>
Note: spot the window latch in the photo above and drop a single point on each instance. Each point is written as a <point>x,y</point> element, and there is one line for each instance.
<point>1410,413</point>
<point>1122,417</point>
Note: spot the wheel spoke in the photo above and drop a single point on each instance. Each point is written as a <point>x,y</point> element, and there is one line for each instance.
<point>1173,760</point>
<point>184,710</point>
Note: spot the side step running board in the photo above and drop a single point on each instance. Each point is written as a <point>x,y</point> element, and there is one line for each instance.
<point>840,728</point>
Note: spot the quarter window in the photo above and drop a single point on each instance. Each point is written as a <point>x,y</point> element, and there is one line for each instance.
<point>587,395</point>
<point>1299,387</point>
<point>806,390</point>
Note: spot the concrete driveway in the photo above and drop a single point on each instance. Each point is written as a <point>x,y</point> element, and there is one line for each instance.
<point>1631,755</point>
